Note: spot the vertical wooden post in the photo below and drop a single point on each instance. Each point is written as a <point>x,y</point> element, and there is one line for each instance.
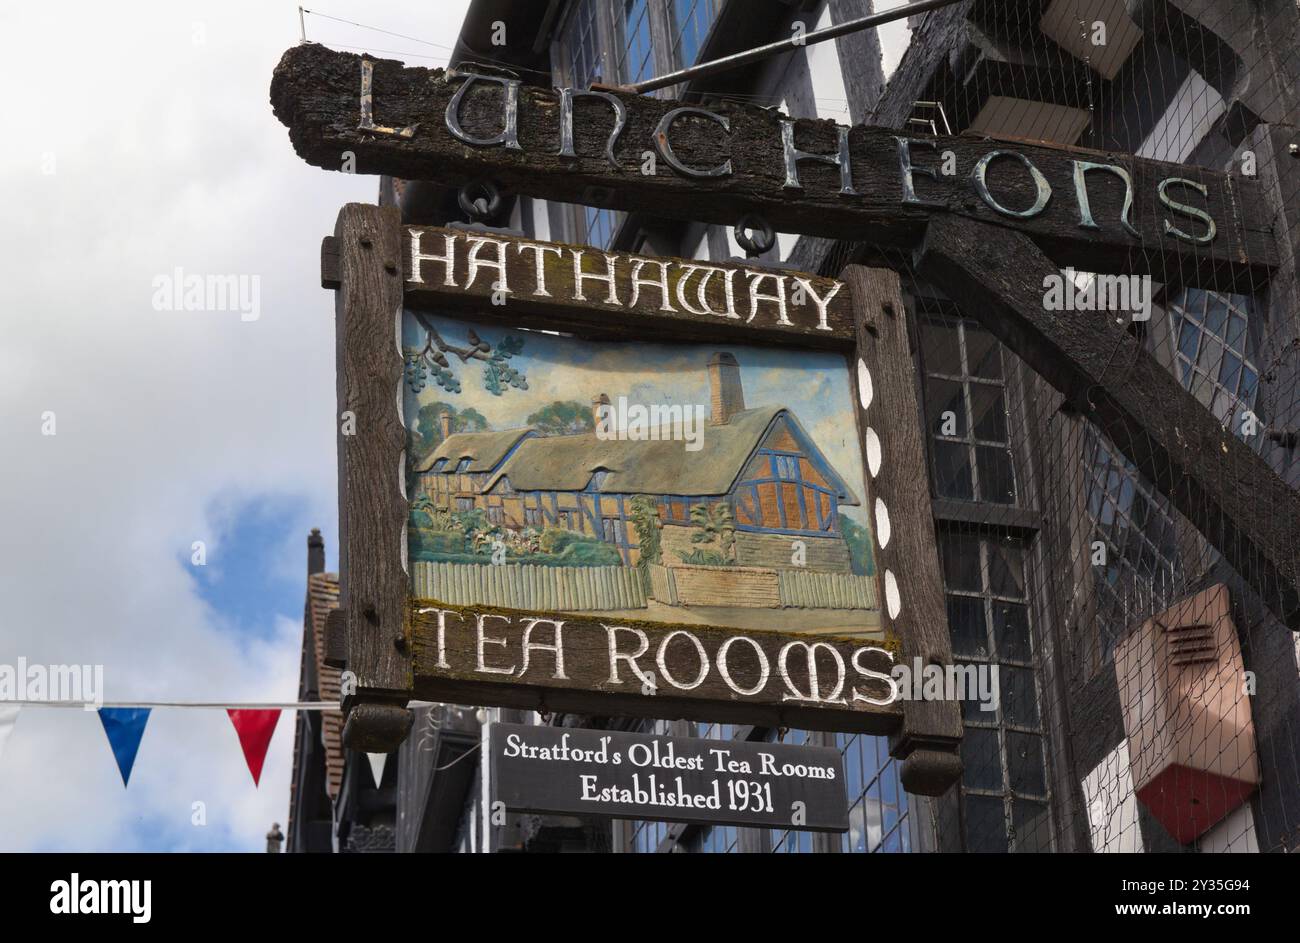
<point>373,585</point>
<point>902,524</point>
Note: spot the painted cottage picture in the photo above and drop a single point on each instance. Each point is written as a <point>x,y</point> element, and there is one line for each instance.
<point>683,483</point>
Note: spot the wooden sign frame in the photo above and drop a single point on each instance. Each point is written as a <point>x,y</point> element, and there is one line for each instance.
<point>1093,211</point>
<point>399,647</point>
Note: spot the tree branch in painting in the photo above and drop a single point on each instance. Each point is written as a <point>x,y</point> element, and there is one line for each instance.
<point>430,362</point>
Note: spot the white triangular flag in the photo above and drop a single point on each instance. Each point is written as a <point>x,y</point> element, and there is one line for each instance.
<point>8,717</point>
<point>377,761</point>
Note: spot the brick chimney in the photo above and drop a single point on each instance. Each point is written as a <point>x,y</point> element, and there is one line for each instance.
<point>725,393</point>
<point>444,422</point>
<point>597,404</point>
<point>315,552</point>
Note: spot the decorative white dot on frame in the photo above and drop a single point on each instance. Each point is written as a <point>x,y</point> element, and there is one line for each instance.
<point>865,391</point>
<point>883,530</point>
<point>872,442</point>
<point>893,601</point>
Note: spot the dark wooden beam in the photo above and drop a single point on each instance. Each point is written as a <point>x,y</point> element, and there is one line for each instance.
<point>1210,475</point>
<point>372,512</point>
<point>316,93</point>
<point>902,526</point>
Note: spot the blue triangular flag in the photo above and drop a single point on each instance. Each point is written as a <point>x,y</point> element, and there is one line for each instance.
<point>124,727</point>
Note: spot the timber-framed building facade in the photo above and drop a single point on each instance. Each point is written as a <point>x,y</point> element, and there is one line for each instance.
<point>1062,565</point>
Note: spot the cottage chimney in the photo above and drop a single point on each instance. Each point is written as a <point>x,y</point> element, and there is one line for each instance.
<point>315,552</point>
<point>444,422</point>
<point>725,392</point>
<point>598,403</point>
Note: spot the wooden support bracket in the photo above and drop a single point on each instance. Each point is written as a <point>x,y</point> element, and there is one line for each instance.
<point>373,584</point>
<point>907,556</point>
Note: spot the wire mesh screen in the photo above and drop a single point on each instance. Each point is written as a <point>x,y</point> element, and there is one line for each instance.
<point>1147,696</point>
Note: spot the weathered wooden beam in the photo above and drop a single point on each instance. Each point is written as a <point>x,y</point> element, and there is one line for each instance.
<point>1210,475</point>
<point>619,294</point>
<point>373,584</point>
<point>572,663</point>
<point>719,166</point>
<point>906,553</point>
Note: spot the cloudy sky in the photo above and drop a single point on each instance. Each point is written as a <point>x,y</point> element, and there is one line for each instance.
<point>141,142</point>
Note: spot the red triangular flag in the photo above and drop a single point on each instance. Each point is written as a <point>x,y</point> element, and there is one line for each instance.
<point>255,729</point>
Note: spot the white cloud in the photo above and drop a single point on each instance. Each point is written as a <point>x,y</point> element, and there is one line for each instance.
<point>164,153</point>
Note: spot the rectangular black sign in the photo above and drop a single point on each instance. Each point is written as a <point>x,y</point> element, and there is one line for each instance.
<point>668,779</point>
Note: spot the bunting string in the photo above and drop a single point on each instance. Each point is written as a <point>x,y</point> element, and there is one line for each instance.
<point>202,705</point>
<point>124,725</point>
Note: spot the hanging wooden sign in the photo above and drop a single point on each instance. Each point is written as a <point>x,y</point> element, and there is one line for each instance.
<point>1092,211</point>
<point>687,526</point>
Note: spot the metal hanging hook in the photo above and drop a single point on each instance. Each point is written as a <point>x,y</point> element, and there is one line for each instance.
<point>479,200</point>
<point>754,234</point>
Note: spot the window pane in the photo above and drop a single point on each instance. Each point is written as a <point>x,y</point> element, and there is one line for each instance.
<point>988,412</point>
<point>1236,334</point>
<point>983,355</point>
<point>638,56</point>
<point>968,626</point>
<point>979,756</point>
<point>1006,570</point>
<point>1019,697</point>
<point>961,562</point>
<point>1011,631</point>
<point>945,408</point>
<point>939,346</point>
<point>1248,380</point>
<point>691,20</point>
<point>997,482</point>
<point>986,825</point>
<point>1032,825</point>
<point>1216,314</point>
<point>1229,372</point>
<point>1025,763</point>
<point>1187,340</point>
<point>580,41</point>
<point>952,471</point>
<point>1210,355</point>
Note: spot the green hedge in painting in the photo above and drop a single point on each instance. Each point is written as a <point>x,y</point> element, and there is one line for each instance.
<point>436,544</point>
<point>438,536</point>
<point>859,540</point>
<point>715,527</point>
<point>644,513</point>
